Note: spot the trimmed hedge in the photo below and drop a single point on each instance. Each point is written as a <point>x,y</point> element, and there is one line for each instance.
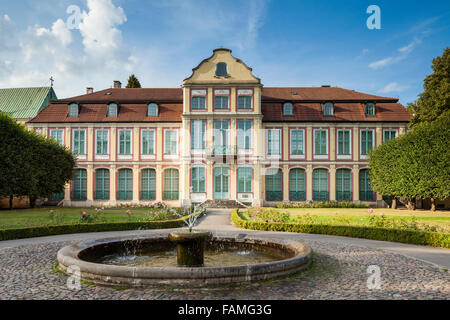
<point>425,238</point>
<point>31,232</point>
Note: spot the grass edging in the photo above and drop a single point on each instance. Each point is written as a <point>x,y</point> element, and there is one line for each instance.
<point>434,239</point>
<point>41,231</point>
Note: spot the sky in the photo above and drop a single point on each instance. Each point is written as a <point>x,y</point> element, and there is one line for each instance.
<point>287,43</point>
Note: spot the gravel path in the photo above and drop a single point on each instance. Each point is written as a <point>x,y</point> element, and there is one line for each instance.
<point>339,271</point>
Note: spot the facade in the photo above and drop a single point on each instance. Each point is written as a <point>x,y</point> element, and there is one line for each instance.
<point>23,104</point>
<point>222,135</point>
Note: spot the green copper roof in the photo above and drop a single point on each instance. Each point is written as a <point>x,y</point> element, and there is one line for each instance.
<point>25,103</point>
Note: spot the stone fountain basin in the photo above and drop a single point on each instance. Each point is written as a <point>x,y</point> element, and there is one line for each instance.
<point>294,256</point>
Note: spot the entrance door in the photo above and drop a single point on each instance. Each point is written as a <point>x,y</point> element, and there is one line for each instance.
<point>221,178</point>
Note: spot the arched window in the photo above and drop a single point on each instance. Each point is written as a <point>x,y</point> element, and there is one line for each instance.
<point>297,185</point>
<point>274,185</point>
<point>320,184</point>
<point>152,110</point>
<point>221,69</point>
<point>112,110</point>
<point>125,185</point>
<point>328,109</point>
<point>370,109</point>
<point>365,190</point>
<point>148,184</point>
<point>170,184</point>
<point>79,185</point>
<point>288,109</point>
<point>101,184</point>
<point>344,184</point>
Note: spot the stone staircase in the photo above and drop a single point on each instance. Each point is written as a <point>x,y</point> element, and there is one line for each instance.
<point>225,204</point>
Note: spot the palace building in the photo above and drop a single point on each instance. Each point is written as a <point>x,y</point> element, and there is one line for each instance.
<point>222,135</point>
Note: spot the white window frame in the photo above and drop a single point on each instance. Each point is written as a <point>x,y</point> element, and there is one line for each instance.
<point>81,156</point>
<point>321,156</point>
<point>124,156</point>
<point>280,146</point>
<point>365,156</point>
<point>101,156</point>
<point>347,156</point>
<point>297,156</point>
<point>148,156</point>
<point>199,150</point>
<point>396,133</point>
<point>62,136</point>
<point>171,156</point>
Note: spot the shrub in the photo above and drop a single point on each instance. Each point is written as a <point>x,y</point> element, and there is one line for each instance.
<point>321,204</point>
<point>434,239</point>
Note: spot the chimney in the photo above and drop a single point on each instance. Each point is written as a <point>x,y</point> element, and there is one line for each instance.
<point>89,90</point>
<point>117,84</point>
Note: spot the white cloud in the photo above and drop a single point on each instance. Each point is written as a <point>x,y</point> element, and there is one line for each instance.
<point>403,53</point>
<point>393,87</point>
<point>37,53</point>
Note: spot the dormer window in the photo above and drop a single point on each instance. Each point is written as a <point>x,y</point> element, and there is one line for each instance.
<point>73,110</point>
<point>152,110</point>
<point>221,69</point>
<point>112,110</point>
<point>370,109</point>
<point>288,109</point>
<point>328,109</point>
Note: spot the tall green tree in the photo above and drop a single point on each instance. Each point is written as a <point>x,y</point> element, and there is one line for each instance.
<point>434,102</point>
<point>415,165</point>
<point>30,164</point>
<point>133,82</point>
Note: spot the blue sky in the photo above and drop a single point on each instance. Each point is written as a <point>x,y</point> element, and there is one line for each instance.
<point>287,43</point>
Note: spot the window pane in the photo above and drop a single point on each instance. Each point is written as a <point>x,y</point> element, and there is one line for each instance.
<point>244,102</point>
<point>148,140</point>
<point>244,135</point>
<point>170,142</point>
<point>296,142</point>
<point>198,103</point>
<point>198,130</point>
<point>221,102</point>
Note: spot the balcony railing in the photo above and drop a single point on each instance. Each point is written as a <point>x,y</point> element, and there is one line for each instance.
<point>221,151</point>
<point>367,196</point>
<point>101,195</point>
<point>297,195</point>
<point>124,195</point>
<point>320,195</point>
<point>170,195</point>
<point>344,196</point>
<point>79,195</point>
<point>274,195</point>
<point>148,195</point>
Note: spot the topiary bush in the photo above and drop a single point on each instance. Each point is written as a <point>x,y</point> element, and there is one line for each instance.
<point>321,204</point>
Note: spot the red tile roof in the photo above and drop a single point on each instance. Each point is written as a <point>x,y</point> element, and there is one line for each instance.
<point>343,112</point>
<point>307,105</point>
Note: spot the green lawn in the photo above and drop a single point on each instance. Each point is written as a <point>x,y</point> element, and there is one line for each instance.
<point>357,216</point>
<point>22,218</point>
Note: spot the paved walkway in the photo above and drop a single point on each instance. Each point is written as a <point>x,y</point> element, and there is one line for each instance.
<point>220,219</point>
<point>339,270</point>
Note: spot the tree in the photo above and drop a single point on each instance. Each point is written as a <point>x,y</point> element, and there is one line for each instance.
<point>434,102</point>
<point>30,164</point>
<point>415,164</point>
<point>133,82</point>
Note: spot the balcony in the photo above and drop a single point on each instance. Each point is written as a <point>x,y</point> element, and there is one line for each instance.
<point>344,196</point>
<point>222,152</point>
<point>148,195</point>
